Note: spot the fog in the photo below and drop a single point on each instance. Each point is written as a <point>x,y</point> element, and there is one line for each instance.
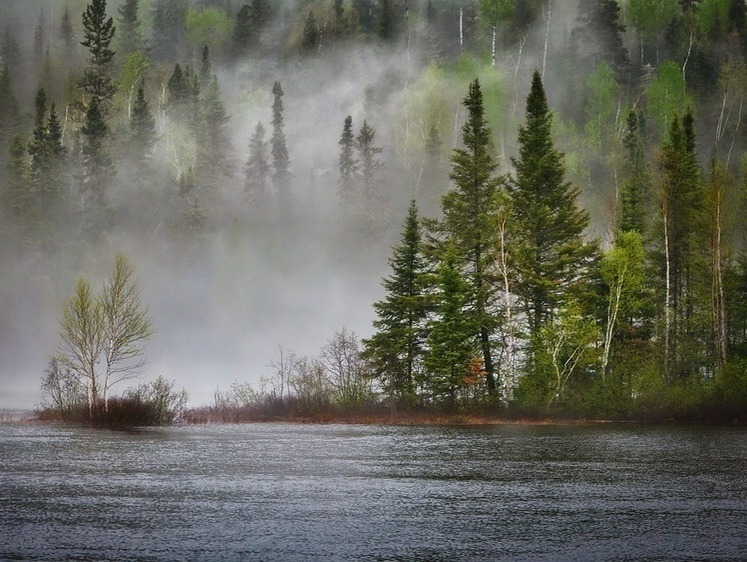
<point>224,301</point>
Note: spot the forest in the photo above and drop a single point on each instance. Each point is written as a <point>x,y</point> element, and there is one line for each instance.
<point>527,208</point>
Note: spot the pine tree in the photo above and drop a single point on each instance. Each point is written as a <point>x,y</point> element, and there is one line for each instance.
<point>636,182</point>
<point>395,350</point>
<point>243,31</point>
<point>386,20</point>
<point>257,170</point>
<point>9,118</point>
<point>684,247</point>
<point>66,32</point>
<point>550,253</point>
<point>206,68</point>
<point>279,150</point>
<point>347,164</point>
<point>600,36</point>
<point>98,167</point>
<point>369,160</point>
<point>169,33</point>
<point>467,223</point>
<point>311,35</point>
<point>211,135</point>
<point>142,131</point>
<point>450,345</point>
<point>98,31</point>
<point>130,37</point>
<point>16,195</point>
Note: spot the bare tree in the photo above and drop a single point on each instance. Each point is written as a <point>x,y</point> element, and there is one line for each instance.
<point>346,369</point>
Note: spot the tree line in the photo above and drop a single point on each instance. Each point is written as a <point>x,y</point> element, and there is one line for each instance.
<point>586,257</point>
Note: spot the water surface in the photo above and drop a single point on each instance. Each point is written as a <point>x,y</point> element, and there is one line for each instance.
<point>349,492</point>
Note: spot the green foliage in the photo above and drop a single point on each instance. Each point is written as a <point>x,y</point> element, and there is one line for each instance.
<point>550,253</point>
<point>208,26</point>
<point>98,31</point>
<point>395,349</point>
<point>601,107</point>
<point>666,94</point>
<point>451,341</point>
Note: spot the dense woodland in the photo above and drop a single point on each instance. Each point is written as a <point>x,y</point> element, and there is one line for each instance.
<point>557,189</point>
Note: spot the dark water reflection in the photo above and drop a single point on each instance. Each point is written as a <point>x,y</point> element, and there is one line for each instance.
<point>339,492</point>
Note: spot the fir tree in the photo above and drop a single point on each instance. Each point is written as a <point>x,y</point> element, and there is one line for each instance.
<point>98,167</point>
<point>347,164</point>
<point>368,158</point>
<point>550,252</point>
<point>395,350</point>
<point>169,31</point>
<point>142,130</point>
<point>311,35</point>
<point>450,345</point>
<point>279,150</point>
<point>206,68</point>
<point>636,182</point>
<point>16,195</point>
<point>130,37</point>
<point>66,32</point>
<point>98,31</point>
<point>9,118</point>
<point>257,170</point>
<point>684,247</point>
<point>211,134</point>
<point>466,219</point>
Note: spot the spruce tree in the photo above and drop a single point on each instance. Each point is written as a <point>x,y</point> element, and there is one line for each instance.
<point>142,131</point>
<point>9,118</point>
<point>98,166</point>
<point>129,34</point>
<point>683,248</point>
<point>211,135</point>
<point>257,169</point>
<point>98,31</point>
<point>169,32</point>
<point>395,350</point>
<point>550,253</point>
<point>279,150</point>
<point>368,157</point>
<point>347,164</point>
<point>66,32</point>
<point>636,182</point>
<point>450,345</point>
<point>311,36</point>
<point>467,223</point>
<point>243,32</point>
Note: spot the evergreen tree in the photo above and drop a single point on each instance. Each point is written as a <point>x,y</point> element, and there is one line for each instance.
<point>130,37</point>
<point>10,53</point>
<point>311,35</point>
<point>450,345</point>
<point>348,164</point>
<point>66,32</point>
<point>257,170</point>
<point>9,118</point>
<point>38,145</point>
<point>279,150</point>
<point>369,160</point>
<point>684,247</point>
<point>396,348</point>
<point>243,31</point>
<point>211,135</point>
<point>467,210</point>
<point>636,181</point>
<point>386,20</point>
<point>16,195</point>
<point>98,167</point>
<point>206,68</point>
<point>142,131</point>
<point>550,254</point>
<point>98,31</point>
<point>169,32</point>
<point>180,93</point>
<point>600,36</point>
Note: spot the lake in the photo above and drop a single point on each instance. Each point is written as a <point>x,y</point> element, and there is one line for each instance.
<point>356,492</point>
